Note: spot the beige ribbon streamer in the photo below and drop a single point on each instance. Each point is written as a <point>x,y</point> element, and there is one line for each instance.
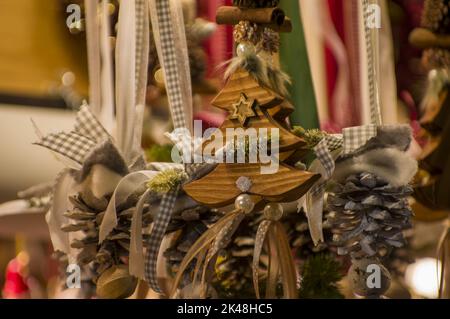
<point>274,265</point>
<point>259,242</point>
<point>136,257</point>
<point>126,187</point>
<point>221,241</point>
<point>288,273</point>
<point>106,116</point>
<point>442,253</point>
<point>54,217</point>
<point>125,78</point>
<point>281,262</point>
<point>93,49</point>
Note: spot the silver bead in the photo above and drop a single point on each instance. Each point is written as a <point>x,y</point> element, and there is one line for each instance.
<point>245,48</point>
<point>273,211</point>
<point>244,202</point>
<point>243,183</point>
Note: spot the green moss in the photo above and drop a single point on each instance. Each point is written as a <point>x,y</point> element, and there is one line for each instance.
<point>166,180</point>
<point>312,137</point>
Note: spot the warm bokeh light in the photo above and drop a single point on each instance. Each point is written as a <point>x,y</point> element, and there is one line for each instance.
<point>423,277</point>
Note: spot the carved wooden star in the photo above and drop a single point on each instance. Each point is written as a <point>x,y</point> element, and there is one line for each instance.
<point>243,109</point>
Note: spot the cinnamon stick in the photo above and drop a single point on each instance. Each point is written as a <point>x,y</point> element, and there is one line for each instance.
<point>233,15</point>
<point>285,27</point>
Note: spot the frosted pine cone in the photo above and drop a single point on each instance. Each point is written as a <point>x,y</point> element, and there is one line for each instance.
<point>368,216</point>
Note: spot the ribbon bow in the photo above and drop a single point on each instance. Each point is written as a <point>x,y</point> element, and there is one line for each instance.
<point>326,151</point>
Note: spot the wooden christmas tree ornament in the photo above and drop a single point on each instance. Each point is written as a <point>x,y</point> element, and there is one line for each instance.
<point>251,104</point>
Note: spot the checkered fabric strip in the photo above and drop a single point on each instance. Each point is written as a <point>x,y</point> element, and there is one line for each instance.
<point>324,156</point>
<point>334,141</point>
<point>71,145</point>
<point>142,48</point>
<point>158,231</point>
<point>375,114</point>
<point>86,124</point>
<point>139,8</point>
<point>318,190</point>
<point>355,137</point>
<point>170,65</point>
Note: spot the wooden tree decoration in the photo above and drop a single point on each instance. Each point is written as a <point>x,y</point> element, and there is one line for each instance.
<point>250,105</point>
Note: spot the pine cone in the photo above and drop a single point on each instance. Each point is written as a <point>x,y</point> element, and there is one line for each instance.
<point>436,16</point>
<point>400,258</point>
<point>88,217</point>
<point>368,216</point>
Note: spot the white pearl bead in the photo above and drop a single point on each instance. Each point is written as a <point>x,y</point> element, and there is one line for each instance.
<point>244,202</point>
<point>245,49</point>
<point>273,211</point>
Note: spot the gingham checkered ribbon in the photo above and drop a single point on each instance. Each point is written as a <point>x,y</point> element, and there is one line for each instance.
<point>178,89</point>
<point>141,63</point>
<point>351,139</point>
<point>161,222</point>
<point>158,231</point>
<point>371,40</point>
<point>87,124</point>
<point>77,144</point>
<point>323,153</point>
<point>314,198</point>
<point>165,36</point>
<point>355,137</point>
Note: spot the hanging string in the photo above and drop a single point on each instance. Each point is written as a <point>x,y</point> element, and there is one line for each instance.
<point>373,63</point>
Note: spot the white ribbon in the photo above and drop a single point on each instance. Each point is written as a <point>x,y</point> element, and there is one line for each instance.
<point>125,78</point>
<point>54,217</point>
<point>126,187</point>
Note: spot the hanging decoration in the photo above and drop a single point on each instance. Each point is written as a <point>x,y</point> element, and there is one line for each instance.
<point>232,222</point>
<point>253,97</point>
<point>368,203</point>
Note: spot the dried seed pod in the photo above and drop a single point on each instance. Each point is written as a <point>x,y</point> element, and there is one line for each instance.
<point>116,283</point>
